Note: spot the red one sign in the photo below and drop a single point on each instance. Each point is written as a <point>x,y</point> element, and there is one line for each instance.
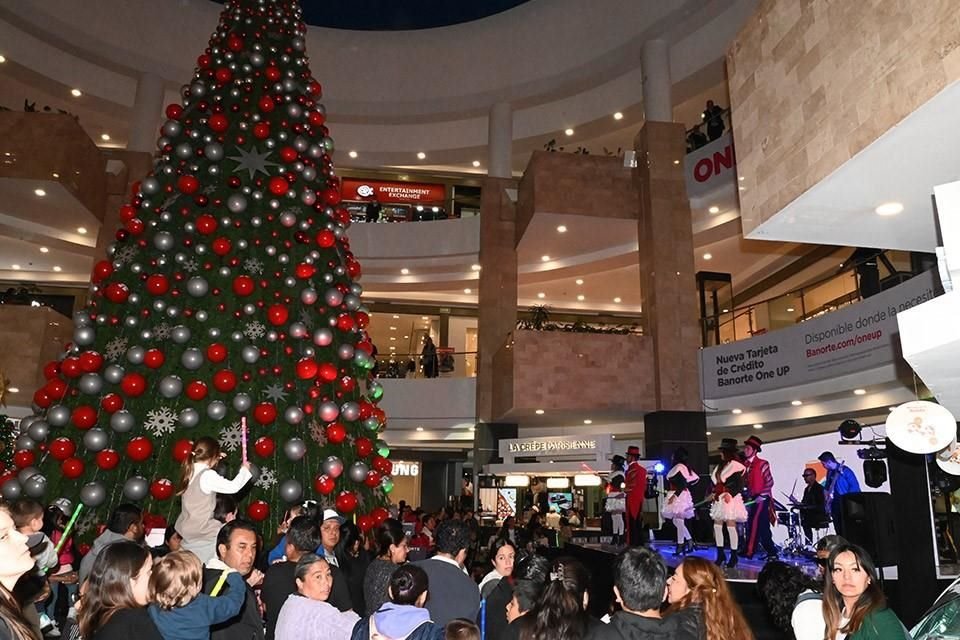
<point>393,192</point>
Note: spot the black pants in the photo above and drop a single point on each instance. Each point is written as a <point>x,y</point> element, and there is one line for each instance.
<point>635,529</point>
<point>758,528</point>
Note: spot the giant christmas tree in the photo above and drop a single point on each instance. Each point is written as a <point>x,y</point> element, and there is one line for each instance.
<point>230,293</point>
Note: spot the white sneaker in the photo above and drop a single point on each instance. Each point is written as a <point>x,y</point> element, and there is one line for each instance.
<point>48,627</point>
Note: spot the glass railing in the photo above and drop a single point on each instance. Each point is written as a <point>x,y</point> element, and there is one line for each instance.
<point>846,286</point>
<point>449,364</point>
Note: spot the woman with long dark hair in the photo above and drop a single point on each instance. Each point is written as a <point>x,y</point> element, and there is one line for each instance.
<point>391,550</point>
<point>404,615</point>
<point>560,613</point>
<point>354,560</point>
<point>854,606</point>
<point>16,562</point>
<point>512,599</point>
<point>502,556</point>
<point>701,601</point>
<point>792,599</point>
<point>117,592</point>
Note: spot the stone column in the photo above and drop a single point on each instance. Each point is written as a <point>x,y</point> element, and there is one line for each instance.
<point>667,279</point>
<point>497,297</point>
<point>147,107</point>
<point>500,140</point>
<point>655,64</point>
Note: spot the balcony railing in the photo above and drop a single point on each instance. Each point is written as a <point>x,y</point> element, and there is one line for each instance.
<point>828,294</point>
<point>450,364</point>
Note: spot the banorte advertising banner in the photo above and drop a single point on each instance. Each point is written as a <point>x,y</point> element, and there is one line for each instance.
<point>856,338</point>
<point>388,192</point>
<point>710,167</point>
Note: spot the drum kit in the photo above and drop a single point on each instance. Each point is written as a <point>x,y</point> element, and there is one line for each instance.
<point>797,544</point>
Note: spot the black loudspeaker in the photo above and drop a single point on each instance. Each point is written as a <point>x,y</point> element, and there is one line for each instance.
<point>867,520</point>
<point>874,473</point>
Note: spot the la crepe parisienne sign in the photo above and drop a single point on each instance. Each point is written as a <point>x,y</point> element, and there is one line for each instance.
<point>558,444</point>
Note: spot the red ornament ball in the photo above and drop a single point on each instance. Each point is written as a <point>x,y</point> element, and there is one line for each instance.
<point>133,385</point>
<point>345,322</point>
<point>261,130</point>
<point>139,449</point>
<point>258,511</point>
<point>346,502</point>
<point>72,468</point>
<point>71,368</point>
<point>51,370</point>
<point>382,465</point>
<point>266,104</point>
<point>216,352</point>
<point>243,285</point>
<point>181,449</point>
<point>305,271</point>
<point>196,390</point>
<point>206,224</point>
<point>372,480</point>
<point>188,184</point>
<point>223,75</point>
<point>336,433</point>
<point>364,446</point>
<point>116,292</point>
<point>102,270</point>
<point>62,448</point>
<point>265,413</point>
<point>278,186</point>
<point>327,372</point>
<point>161,489</point>
<point>365,523</point>
<point>264,446</point>
<point>111,403</point>
<point>272,73</point>
<point>323,485</point>
<point>380,514</point>
<point>41,398</point>
<point>107,459</point>
<point>326,239</point>
<point>307,368</point>
<point>24,458</point>
<point>234,43</point>
<point>362,318</point>
<point>154,358</point>
<point>277,314</point>
<point>174,111</point>
<point>90,361</point>
<point>84,417</point>
<point>224,380</point>
<point>221,246</point>
<point>219,123</point>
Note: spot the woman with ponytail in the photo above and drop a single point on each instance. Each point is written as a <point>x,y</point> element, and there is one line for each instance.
<point>198,488</point>
<point>560,613</point>
<point>16,561</point>
<point>702,604</point>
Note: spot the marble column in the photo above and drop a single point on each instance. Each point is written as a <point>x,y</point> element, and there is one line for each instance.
<point>655,65</point>
<point>500,140</point>
<point>147,108</point>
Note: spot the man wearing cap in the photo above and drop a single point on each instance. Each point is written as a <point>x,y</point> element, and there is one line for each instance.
<point>840,481</point>
<point>636,487</point>
<point>759,481</point>
<point>329,537</point>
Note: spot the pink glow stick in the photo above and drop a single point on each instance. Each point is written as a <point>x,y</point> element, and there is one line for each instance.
<point>243,430</point>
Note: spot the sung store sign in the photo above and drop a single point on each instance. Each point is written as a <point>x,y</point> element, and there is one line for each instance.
<point>405,469</point>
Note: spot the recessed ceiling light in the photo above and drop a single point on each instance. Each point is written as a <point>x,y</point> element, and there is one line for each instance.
<point>725,311</point>
<point>393,348</point>
<point>475,267</point>
<point>579,280</point>
<point>57,268</point>
<point>472,429</point>
<point>742,178</point>
<point>707,256</point>
<point>396,317</point>
<point>541,295</point>
<point>889,209</point>
<point>40,192</point>
<point>569,132</point>
<point>44,250</point>
<point>393,328</point>
<point>352,154</point>
<point>419,428</point>
<point>393,338</point>
<point>676,162</point>
<point>737,412</point>
<point>2,59</point>
<point>859,392</point>
<point>617,300</point>
<point>105,137</point>
<point>424,317</point>
<point>421,155</point>
<point>539,412</point>
<point>476,163</point>
<point>406,337</point>
<point>796,403</point>
<point>618,116</point>
<point>81,230</point>
<point>714,209</point>
<point>404,271</point>
<point>562,228</point>
<point>76,93</point>
<point>545,258</point>
<point>588,422</point>
<point>15,267</point>
<point>581,297</point>
<point>14,389</point>
<point>790,309</point>
<point>55,174</point>
<point>468,291</point>
<point>758,426</point>
<point>709,433</point>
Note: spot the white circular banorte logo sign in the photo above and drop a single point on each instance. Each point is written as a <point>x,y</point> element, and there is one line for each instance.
<point>921,427</point>
<point>365,191</point>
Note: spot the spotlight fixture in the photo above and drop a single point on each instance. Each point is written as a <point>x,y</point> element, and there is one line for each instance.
<point>476,163</point>
<point>421,155</point>
<point>758,426</point>
<point>352,154</point>
<point>539,412</point>
<point>618,116</point>
<point>3,59</point>
<point>889,209</point>
<point>419,428</point>
<point>541,295</point>
<point>58,269</point>
<point>737,412</point>
<point>796,403</point>
<point>714,209</point>
<point>81,230</point>
<point>39,192</point>
<point>588,421</point>
<point>105,137</point>
<point>850,429</point>
<point>579,281</point>
<point>617,300</point>
<point>707,256</point>
<point>475,267</point>
<point>76,93</point>
<point>468,291</point>
<point>581,297</point>
<point>545,258</point>
<point>859,392</point>
<point>562,228</point>
<point>569,132</point>
<point>44,250</point>
<point>404,271</point>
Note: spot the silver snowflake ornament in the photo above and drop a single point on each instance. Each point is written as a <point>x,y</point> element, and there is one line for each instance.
<point>252,265</point>
<point>116,348</point>
<point>160,422</point>
<point>252,161</point>
<point>191,265</point>
<point>275,392</point>
<point>162,331</point>
<point>255,330</point>
<point>267,479</point>
<point>125,254</point>
<point>231,438</point>
<point>306,317</point>
<point>318,432</point>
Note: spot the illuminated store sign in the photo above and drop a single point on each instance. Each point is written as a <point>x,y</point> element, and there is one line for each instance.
<point>393,192</point>
<point>558,444</point>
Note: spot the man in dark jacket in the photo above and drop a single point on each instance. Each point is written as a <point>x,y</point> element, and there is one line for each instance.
<point>452,594</point>
<point>640,586</point>
<point>126,523</point>
<point>237,550</point>
<point>303,536</point>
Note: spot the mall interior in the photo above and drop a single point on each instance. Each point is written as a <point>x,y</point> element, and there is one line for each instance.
<point>583,227</point>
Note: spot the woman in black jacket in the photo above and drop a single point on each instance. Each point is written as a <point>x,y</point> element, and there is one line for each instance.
<point>116,595</point>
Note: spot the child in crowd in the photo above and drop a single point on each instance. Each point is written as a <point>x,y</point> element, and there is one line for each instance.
<point>63,580</point>
<point>28,519</point>
<point>277,553</point>
<point>198,488</point>
<point>461,629</point>
<point>179,609</point>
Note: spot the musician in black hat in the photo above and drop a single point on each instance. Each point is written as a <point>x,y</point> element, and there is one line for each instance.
<point>759,480</point>
<point>727,509</point>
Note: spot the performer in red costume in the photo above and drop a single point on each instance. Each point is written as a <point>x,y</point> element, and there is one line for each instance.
<point>759,481</point>
<point>636,487</point>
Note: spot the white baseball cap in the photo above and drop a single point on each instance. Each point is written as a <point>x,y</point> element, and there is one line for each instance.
<point>330,514</point>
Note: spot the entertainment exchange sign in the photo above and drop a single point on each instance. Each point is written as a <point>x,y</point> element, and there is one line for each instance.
<point>856,338</point>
